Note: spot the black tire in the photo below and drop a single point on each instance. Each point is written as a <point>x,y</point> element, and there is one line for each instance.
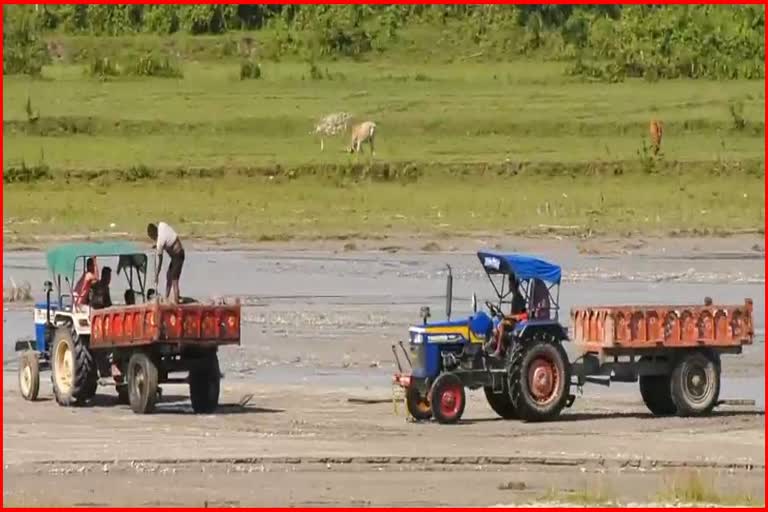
<point>123,397</point>
<point>142,383</point>
<point>75,385</point>
<point>657,395</point>
<point>447,398</point>
<point>205,386</point>
<point>695,383</point>
<point>29,375</point>
<point>418,404</point>
<point>501,403</point>
<point>542,351</point>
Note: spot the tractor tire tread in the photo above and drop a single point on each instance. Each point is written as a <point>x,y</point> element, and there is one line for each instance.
<point>85,381</point>
<point>525,410</point>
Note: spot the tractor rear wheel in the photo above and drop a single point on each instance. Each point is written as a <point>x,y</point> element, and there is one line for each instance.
<point>539,378</point>
<point>204,386</point>
<point>501,403</point>
<point>695,383</point>
<point>29,375</point>
<point>447,398</point>
<point>73,371</point>
<point>417,403</point>
<point>142,383</point>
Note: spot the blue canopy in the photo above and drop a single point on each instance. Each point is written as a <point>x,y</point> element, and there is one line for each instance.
<point>524,267</point>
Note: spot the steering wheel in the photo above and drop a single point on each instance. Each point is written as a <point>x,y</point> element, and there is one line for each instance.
<point>495,311</point>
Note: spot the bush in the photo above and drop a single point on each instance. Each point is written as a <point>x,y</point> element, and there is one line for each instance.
<point>24,51</point>
<point>156,66</point>
<point>250,70</point>
<point>103,67</point>
<point>27,174</point>
<point>149,64</point>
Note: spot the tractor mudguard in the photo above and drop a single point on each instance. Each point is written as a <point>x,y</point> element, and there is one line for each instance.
<point>24,345</point>
<point>527,328</point>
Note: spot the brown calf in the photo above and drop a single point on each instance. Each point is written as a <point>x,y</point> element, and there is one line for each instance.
<point>656,131</point>
<point>361,133</point>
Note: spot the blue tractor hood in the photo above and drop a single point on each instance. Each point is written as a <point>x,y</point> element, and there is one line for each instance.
<point>479,325</point>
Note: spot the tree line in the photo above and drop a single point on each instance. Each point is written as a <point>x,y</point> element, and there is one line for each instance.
<point>606,42</point>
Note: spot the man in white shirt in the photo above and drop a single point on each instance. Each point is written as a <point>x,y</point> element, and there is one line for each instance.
<point>166,240</point>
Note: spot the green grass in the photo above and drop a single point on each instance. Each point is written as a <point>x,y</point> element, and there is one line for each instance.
<point>254,208</point>
<point>488,144</point>
<point>693,487</point>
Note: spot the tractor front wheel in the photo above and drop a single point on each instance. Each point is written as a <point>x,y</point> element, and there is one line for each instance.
<point>204,386</point>
<point>29,375</point>
<point>447,398</point>
<point>418,404</point>
<point>73,371</point>
<point>539,378</point>
<point>142,383</point>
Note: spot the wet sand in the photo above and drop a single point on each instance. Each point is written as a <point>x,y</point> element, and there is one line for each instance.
<point>317,329</point>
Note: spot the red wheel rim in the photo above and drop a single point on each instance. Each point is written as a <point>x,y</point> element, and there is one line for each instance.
<point>543,379</point>
<point>451,400</point>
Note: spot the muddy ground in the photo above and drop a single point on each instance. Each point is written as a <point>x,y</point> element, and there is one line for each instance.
<point>318,324</point>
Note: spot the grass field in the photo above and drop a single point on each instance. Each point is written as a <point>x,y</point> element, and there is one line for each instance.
<point>507,147</point>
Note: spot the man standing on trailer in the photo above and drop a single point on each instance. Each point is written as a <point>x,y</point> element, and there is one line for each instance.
<point>166,240</point>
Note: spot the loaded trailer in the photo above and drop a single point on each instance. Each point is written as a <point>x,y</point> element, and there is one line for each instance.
<point>672,351</point>
<point>518,358</point>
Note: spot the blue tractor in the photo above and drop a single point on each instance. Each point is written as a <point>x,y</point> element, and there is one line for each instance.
<point>516,356</point>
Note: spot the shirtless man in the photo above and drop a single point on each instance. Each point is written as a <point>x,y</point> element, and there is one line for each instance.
<point>166,240</point>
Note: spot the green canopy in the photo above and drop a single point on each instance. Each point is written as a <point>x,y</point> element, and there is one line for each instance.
<point>61,259</point>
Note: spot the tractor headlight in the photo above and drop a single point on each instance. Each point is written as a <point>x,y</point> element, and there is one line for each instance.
<point>417,339</point>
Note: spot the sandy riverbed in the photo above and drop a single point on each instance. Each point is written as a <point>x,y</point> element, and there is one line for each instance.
<point>317,328</point>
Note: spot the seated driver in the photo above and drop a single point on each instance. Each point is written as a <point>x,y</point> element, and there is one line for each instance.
<point>99,296</point>
<point>517,313</point>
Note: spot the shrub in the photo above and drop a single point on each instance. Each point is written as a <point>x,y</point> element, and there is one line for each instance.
<point>250,70</point>
<point>103,67</point>
<point>156,66</point>
<point>24,51</point>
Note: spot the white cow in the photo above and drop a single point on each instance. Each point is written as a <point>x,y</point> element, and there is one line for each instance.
<point>331,125</point>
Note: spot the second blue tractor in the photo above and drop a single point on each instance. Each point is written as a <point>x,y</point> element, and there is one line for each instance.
<point>517,357</point>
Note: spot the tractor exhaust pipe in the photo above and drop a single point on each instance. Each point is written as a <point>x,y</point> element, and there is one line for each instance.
<point>449,293</point>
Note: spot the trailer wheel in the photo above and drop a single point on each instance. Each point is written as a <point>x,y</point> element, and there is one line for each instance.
<point>204,386</point>
<point>447,398</point>
<point>539,378</point>
<point>501,403</point>
<point>657,395</point>
<point>29,375</point>
<point>695,383</point>
<point>418,404</point>
<point>142,383</point>
<point>73,370</point>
